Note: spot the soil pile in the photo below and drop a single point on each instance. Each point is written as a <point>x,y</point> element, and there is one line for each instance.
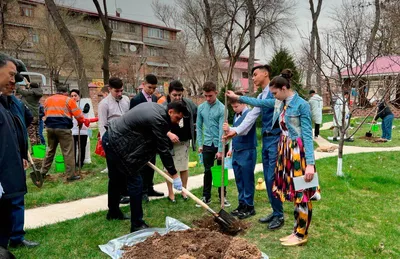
<point>209,223</point>
<point>193,244</point>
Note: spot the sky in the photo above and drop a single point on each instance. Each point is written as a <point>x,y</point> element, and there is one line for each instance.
<point>140,10</point>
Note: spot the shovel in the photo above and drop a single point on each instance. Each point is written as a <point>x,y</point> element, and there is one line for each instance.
<point>223,218</point>
<point>369,133</point>
<point>36,175</point>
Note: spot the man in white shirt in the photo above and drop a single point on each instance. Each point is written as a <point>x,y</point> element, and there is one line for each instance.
<point>112,106</point>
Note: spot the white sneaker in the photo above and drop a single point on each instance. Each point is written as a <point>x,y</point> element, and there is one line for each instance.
<point>205,201</point>
<point>105,171</point>
<point>226,202</point>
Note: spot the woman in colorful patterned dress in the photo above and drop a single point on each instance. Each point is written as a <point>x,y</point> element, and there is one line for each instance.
<point>295,152</point>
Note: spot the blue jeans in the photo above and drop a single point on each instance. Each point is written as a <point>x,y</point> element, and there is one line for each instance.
<point>41,128</point>
<point>269,156</point>
<point>120,177</point>
<point>18,218</point>
<point>243,163</point>
<point>387,123</point>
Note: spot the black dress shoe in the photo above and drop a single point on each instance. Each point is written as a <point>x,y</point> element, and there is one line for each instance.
<point>24,243</point>
<point>117,217</point>
<point>247,213</point>
<point>155,193</point>
<point>73,178</point>
<point>276,223</point>
<point>267,219</point>
<point>125,200</point>
<point>137,228</point>
<point>145,198</point>
<point>238,210</point>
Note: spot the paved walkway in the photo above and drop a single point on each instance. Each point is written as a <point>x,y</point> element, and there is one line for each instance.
<point>51,214</point>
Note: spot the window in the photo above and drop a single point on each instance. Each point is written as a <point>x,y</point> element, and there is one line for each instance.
<point>33,36</point>
<point>245,75</point>
<point>125,47</point>
<point>114,25</point>
<point>131,28</point>
<point>26,10</point>
<point>153,52</point>
<point>155,33</point>
<point>166,35</point>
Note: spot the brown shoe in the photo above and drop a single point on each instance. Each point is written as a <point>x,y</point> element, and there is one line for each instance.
<point>283,239</point>
<point>294,241</point>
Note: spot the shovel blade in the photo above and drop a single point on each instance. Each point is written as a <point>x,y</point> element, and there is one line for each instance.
<point>228,222</point>
<point>37,178</point>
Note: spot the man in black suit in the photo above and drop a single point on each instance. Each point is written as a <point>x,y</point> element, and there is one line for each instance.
<point>146,95</point>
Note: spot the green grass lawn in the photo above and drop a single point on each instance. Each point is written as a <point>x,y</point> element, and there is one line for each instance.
<point>93,183</point>
<point>358,137</point>
<point>357,213</point>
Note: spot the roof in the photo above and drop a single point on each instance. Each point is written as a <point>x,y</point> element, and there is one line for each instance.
<point>111,17</point>
<point>243,85</point>
<point>387,65</point>
<point>239,64</point>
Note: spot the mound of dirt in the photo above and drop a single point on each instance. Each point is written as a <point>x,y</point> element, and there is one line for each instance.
<point>197,243</point>
<point>209,223</point>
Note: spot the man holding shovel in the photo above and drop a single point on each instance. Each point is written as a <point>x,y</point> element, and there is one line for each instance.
<point>130,142</point>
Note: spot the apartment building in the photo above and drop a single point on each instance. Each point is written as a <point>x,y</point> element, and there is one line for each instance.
<point>137,48</point>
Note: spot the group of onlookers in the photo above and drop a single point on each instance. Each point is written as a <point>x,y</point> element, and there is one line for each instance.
<point>132,132</point>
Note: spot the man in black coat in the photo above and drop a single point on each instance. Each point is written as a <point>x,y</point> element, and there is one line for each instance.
<point>146,95</point>
<point>12,175</point>
<point>130,142</point>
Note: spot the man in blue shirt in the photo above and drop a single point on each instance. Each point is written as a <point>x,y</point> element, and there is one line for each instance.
<point>271,134</point>
<point>210,118</point>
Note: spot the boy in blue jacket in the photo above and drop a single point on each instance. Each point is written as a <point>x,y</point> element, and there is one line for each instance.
<point>244,156</point>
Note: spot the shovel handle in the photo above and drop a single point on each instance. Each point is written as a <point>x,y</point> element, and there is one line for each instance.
<point>31,161</point>
<point>191,195</point>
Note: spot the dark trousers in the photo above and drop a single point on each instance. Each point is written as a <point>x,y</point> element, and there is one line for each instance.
<point>269,157</point>
<point>64,137</point>
<point>209,153</point>
<point>18,219</point>
<point>147,174</point>
<point>41,128</point>
<point>316,131</point>
<point>83,148</point>
<point>120,177</point>
<point>5,221</point>
<point>243,163</point>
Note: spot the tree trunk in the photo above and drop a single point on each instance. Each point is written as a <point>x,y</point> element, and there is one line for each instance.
<point>107,43</point>
<point>72,46</point>
<point>210,41</point>
<point>252,46</point>
<point>310,61</point>
<point>3,25</point>
<point>314,42</point>
<point>374,30</point>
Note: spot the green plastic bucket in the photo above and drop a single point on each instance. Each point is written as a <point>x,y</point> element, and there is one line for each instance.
<point>39,151</point>
<point>60,166</point>
<point>216,176</point>
<point>375,128</point>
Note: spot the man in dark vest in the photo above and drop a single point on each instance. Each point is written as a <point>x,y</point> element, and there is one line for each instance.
<point>147,95</point>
